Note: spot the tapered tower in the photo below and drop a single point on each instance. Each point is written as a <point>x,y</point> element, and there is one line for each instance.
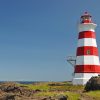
<point>87,57</point>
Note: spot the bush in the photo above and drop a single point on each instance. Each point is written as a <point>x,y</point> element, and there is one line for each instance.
<point>93,84</point>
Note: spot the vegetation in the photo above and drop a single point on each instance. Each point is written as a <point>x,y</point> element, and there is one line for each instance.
<point>54,86</point>
<point>94,94</point>
<point>37,86</point>
<point>53,89</point>
<point>71,95</point>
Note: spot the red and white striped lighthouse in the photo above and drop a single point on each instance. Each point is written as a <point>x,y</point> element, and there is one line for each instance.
<point>87,57</point>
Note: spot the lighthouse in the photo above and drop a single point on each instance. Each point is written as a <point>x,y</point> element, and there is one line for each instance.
<point>87,57</point>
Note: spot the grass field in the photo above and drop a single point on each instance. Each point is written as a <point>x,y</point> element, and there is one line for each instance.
<point>54,89</point>
<point>94,94</point>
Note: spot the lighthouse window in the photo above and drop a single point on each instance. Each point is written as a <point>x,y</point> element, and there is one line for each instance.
<point>88,52</point>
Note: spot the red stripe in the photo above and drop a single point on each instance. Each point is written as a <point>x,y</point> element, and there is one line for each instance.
<point>86,34</point>
<point>87,69</point>
<point>86,21</point>
<point>87,50</point>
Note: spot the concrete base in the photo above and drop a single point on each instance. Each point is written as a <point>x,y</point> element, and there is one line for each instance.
<point>82,78</point>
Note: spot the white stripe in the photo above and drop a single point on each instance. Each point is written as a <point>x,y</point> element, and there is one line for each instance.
<point>82,78</point>
<point>87,60</point>
<point>87,27</point>
<point>87,42</point>
<point>85,75</point>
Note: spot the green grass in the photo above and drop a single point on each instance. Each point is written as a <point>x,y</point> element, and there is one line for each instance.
<point>95,94</point>
<point>59,86</point>
<point>40,86</point>
<point>55,89</point>
<point>67,88</point>
<point>71,95</point>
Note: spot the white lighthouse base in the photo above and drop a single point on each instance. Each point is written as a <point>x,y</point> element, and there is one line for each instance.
<point>82,78</point>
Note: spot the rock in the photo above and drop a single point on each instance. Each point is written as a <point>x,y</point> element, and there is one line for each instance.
<point>7,97</point>
<point>8,86</point>
<point>44,98</point>
<point>15,89</point>
<point>47,98</point>
<point>57,84</point>
<point>93,84</point>
<point>62,97</point>
<point>37,90</point>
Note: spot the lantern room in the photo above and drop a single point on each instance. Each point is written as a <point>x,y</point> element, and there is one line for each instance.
<point>86,18</point>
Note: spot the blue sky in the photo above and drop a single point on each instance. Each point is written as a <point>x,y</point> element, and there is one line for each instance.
<point>36,36</point>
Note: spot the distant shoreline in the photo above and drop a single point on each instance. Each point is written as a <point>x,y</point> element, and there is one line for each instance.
<point>31,82</point>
